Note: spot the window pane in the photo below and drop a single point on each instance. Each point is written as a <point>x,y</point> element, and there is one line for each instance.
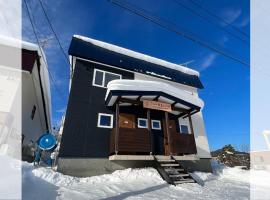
<point>109,77</point>
<point>184,129</point>
<point>142,123</point>
<point>105,120</point>
<point>98,78</point>
<point>156,125</point>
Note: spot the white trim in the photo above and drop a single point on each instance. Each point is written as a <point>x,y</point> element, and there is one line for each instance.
<point>182,124</point>
<point>142,119</point>
<point>158,121</point>
<point>103,79</point>
<point>104,114</point>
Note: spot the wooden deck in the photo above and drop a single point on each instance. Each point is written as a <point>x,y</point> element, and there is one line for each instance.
<point>131,141</point>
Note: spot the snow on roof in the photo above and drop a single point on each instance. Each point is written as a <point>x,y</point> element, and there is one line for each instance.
<point>137,55</point>
<point>13,42</point>
<point>142,85</point>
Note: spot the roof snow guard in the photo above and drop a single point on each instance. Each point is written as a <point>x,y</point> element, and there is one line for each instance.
<point>113,55</point>
<point>152,90</point>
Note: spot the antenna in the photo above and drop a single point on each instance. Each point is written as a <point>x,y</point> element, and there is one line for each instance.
<point>188,62</point>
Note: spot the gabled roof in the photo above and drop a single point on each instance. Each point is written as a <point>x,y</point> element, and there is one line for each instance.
<point>109,54</point>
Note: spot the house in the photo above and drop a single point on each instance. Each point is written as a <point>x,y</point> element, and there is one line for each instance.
<point>127,109</point>
<point>25,99</point>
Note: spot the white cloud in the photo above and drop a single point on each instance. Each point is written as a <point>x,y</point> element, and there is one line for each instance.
<point>244,22</point>
<point>208,61</point>
<point>231,15</point>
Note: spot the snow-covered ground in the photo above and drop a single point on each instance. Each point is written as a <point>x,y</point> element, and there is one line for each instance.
<point>224,183</point>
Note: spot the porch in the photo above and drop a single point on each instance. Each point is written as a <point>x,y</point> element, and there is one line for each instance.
<point>128,141</point>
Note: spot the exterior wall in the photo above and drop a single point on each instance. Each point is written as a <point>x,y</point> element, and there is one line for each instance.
<point>83,167</point>
<point>81,136</point>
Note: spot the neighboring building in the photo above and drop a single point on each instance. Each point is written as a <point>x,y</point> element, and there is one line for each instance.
<point>125,108</point>
<point>25,105</point>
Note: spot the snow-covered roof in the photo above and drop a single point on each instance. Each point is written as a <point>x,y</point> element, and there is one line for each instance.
<point>122,58</point>
<point>167,93</point>
<point>138,55</point>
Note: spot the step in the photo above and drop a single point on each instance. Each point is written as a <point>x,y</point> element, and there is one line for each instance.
<point>170,165</point>
<point>174,169</point>
<point>178,175</point>
<point>166,160</point>
<point>184,181</point>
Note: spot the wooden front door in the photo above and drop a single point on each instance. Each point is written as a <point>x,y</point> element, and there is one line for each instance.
<point>126,120</point>
<point>172,129</point>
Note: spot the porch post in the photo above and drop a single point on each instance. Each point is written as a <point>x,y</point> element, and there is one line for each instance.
<point>149,130</point>
<point>190,124</point>
<point>168,131</point>
<point>116,128</point>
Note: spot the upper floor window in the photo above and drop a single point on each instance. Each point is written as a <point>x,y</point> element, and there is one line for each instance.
<point>102,78</point>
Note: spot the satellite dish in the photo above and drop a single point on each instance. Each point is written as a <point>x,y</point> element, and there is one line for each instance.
<point>47,142</point>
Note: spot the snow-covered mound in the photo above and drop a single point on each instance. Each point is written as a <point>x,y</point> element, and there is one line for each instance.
<point>224,183</point>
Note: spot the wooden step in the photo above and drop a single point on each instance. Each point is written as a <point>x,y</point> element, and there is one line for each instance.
<point>174,169</point>
<point>170,165</point>
<point>184,181</point>
<point>166,160</point>
<point>178,175</point>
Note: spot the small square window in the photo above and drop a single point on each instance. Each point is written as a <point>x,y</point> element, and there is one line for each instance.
<point>156,125</point>
<point>142,123</point>
<point>105,120</point>
<point>184,129</point>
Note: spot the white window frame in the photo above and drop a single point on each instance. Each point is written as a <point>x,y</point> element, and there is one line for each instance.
<point>103,78</point>
<point>99,117</point>
<point>159,122</point>
<point>184,125</point>
<point>143,119</point>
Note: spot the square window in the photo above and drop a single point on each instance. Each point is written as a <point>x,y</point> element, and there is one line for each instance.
<point>156,125</point>
<point>142,123</point>
<point>184,129</point>
<point>105,120</point>
<point>98,78</point>
<point>109,77</point>
<point>102,78</point>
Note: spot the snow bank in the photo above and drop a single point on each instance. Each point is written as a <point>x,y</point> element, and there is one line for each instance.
<point>224,183</point>
<point>137,55</point>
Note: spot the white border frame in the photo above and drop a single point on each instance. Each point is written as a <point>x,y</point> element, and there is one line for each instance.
<point>186,126</point>
<point>159,122</point>
<point>103,79</point>
<point>143,119</point>
<point>104,114</point>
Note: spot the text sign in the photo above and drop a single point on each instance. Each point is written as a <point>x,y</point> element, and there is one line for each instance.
<point>156,105</point>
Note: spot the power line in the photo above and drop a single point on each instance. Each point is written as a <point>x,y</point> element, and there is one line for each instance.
<point>39,46</point>
<point>56,37</point>
<point>171,27</point>
<point>218,18</point>
<point>209,21</point>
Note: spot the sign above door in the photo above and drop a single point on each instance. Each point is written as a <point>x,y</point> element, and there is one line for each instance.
<point>156,105</point>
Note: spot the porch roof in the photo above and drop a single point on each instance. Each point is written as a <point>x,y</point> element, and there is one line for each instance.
<point>138,90</point>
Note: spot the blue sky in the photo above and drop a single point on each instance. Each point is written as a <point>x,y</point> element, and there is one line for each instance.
<point>226,82</point>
